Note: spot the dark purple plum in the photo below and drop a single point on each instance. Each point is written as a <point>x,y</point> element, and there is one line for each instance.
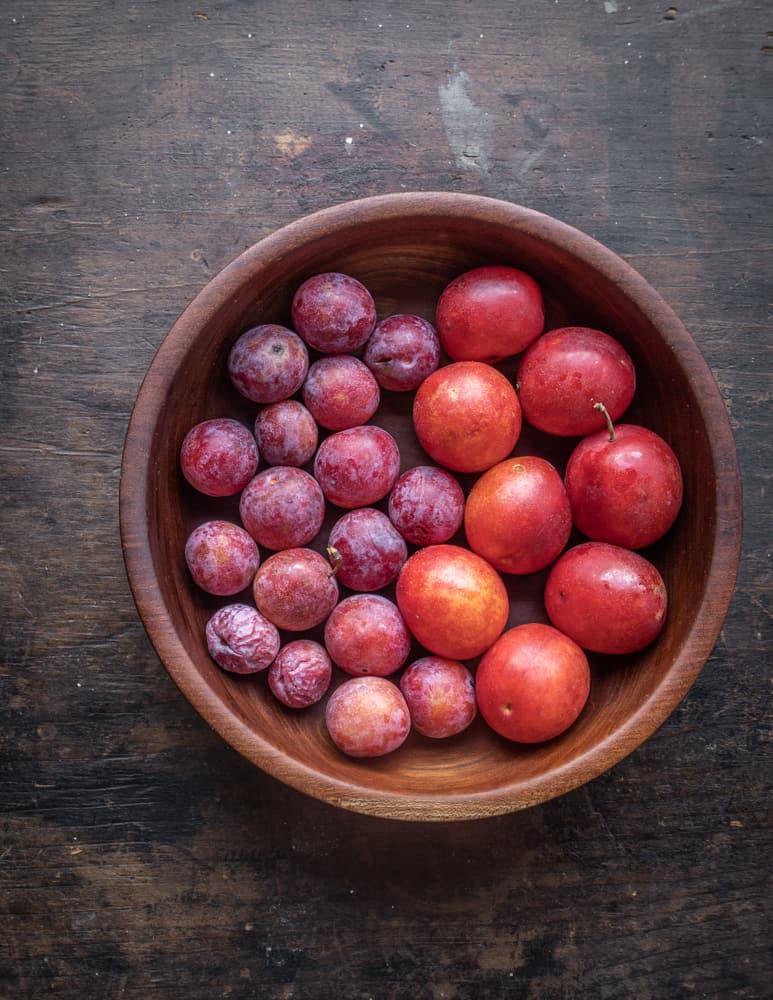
<point>334,313</point>
<point>402,351</point>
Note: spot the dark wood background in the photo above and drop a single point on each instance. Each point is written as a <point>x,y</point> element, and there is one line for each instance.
<point>143,146</point>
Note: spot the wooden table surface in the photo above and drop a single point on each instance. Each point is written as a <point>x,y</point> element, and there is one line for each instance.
<point>146,144</point>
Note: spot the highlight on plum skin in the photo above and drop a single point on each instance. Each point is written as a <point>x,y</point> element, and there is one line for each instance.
<point>366,634</point>
<point>295,589</point>
<point>341,392</point>
<point>372,551</point>
<point>287,434</point>
<point>367,717</point>
<point>334,313</point>
<point>268,363</point>
<point>357,467</point>
<point>222,557</point>
<point>300,674</point>
<point>282,508</point>
<point>426,505</point>
<point>241,640</point>
<point>440,694</point>
<point>402,351</point>
<point>219,457</point>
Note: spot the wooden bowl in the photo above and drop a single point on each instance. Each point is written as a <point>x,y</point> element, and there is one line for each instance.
<point>406,248</point>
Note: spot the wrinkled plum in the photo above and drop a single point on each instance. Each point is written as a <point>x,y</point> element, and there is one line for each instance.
<point>241,640</point>
<point>301,673</point>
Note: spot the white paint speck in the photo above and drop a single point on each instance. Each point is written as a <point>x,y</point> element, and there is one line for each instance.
<point>35,370</point>
<point>211,74</point>
<point>610,6</point>
<point>249,34</point>
<point>348,140</point>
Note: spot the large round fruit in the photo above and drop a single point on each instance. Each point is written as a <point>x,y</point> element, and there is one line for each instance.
<point>567,371</point>
<point>489,313</point>
<point>625,486</point>
<point>454,603</point>
<point>607,598</point>
<point>532,684</point>
<point>517,515</point>
<point>467,416</point>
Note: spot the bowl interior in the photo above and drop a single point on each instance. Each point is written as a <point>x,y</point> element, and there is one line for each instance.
<point>405,252</point>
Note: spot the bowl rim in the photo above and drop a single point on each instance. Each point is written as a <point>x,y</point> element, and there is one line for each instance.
<point>135,539</point>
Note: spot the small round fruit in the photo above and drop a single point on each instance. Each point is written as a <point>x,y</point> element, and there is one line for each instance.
<point>565,372</point>
<point>426,505</point>
<point>219,457</point>
<point>402,351</point>
<point>301,673</point>
<point>221,557</point>
<point>489,313</point>
<point>241,640</point>
<point>441,696</point>
<point>340,392</point>
<point>624,485</point>
<point>607,598</point>
<point>367,717</point>
<point>334,313</point>
<point>358,466</point>
<point>268,363</point>
<point>282,508</point>
<point>517,515</point>
<point>366,634</point>
<point>286,433</point>
<point>295,589</point>
<point>467,416</point>
<point>453,602</point>
<point>372,550</point>
<point>532,684</point>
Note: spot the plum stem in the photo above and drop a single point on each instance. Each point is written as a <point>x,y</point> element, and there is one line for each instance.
<point>336,560</point>
<point>602,409</point>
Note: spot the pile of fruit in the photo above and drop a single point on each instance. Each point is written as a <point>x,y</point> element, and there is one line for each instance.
<point>622,490</point>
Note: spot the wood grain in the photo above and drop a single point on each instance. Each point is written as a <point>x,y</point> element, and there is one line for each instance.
<point>138,852</point>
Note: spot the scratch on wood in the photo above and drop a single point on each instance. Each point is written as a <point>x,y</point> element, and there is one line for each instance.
<point>468,129</point>
<point>79,299</point>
